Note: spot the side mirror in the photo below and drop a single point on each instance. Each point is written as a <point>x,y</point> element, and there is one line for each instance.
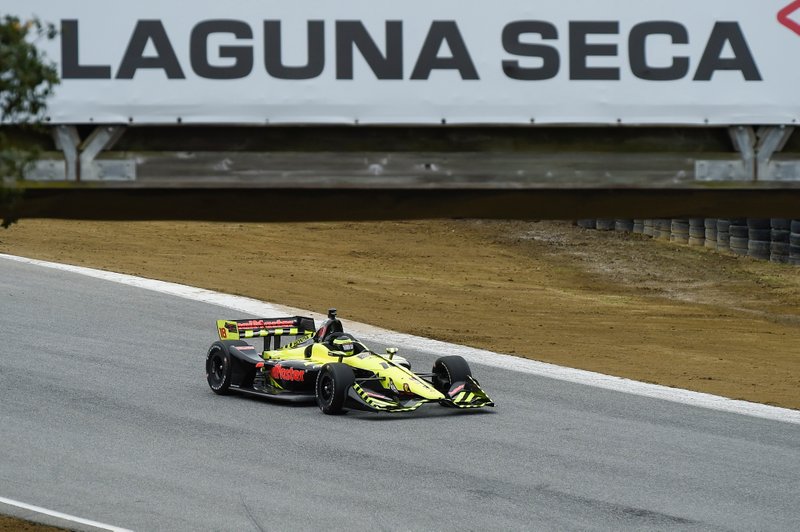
<point>341,354</point>
<point>391,351</point>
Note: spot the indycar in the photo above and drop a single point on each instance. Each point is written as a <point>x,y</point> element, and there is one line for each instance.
<point>301,363</point>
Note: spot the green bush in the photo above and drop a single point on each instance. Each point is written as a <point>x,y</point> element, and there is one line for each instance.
<point>26,81</point>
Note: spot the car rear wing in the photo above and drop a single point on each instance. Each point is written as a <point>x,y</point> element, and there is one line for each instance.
<point>265,328</point>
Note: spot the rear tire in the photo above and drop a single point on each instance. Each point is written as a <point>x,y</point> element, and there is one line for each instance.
<point>219,368</point>
<point>333,383</point>
<point>447,370</point>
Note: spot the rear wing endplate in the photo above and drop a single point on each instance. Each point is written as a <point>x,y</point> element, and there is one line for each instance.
<point>265,327</point>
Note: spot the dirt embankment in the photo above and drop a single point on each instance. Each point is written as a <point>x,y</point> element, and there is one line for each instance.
<point>11,524</point>
<point>608,302</point>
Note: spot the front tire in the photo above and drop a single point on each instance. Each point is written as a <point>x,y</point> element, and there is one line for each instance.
<point>219,368</point>
<point>449,370</point>
<point>333,383</point>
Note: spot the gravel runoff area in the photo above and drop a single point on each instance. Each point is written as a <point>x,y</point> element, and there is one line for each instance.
<point>613,303</point>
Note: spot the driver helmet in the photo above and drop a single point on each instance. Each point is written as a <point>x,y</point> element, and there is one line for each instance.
<point>343,343</point>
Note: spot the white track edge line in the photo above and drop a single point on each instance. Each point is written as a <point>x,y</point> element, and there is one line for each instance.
<point>62,516</point>
<point>477,356</point>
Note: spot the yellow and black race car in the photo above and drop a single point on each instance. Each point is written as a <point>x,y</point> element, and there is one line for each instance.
<point>301,363</point>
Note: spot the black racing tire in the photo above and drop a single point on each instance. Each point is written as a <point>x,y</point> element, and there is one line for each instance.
<point>697,227</point>
<point>662,228</point>
<point>219,368</point>
<point>758,223</point>
<point>738,231</point>
<point>604,224</point>
<point>738,227</point>
<point>778,251</point>
<point>447,370</point>
<point>758,249</point>
<point>333,382</point>
<point>759,234</point>
<point>679,226</point>
<point>781,224</point>
<point>779,235</point>
<point>738,245</point>
<point>781,248</point>
<point>711,232</point>
<point>625,226</point>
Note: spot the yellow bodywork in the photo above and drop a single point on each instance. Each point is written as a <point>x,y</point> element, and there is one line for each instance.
<point>391,374</point>
<point>383,382</point>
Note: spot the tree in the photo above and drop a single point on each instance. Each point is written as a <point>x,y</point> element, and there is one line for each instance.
<point>26,81</point>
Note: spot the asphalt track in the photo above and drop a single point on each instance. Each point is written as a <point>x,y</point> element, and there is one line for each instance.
<point>105,414</point>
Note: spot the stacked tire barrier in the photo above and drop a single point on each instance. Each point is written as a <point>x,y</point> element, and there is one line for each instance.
<point>626,226</point>
<point>780,234</point>
<point>758,238</point>
<point>697,232</point>
<point>656,228</point>
<point>794,243</point>
<point>679,231</point>
<point>604,224</point>
<point>723,234</point>
<point>739,235</point>
<point>710,233</point>
<point>663,229</point>
<point>773,239</point>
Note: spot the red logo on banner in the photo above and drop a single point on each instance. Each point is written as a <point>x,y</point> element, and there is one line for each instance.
<point>783,16</point>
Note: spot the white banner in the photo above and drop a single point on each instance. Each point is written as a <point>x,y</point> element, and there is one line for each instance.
<point>423,62</point>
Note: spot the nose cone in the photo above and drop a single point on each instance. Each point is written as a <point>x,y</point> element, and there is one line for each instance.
<point>421,388</point>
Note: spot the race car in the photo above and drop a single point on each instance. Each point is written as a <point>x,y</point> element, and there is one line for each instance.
<point>301,363</point>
